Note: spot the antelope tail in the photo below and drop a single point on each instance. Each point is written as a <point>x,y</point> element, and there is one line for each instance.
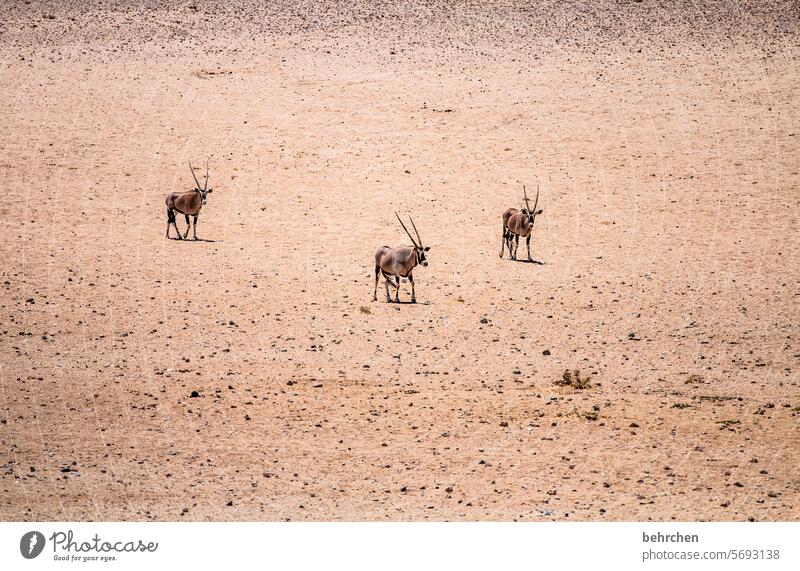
<point>503,240</point>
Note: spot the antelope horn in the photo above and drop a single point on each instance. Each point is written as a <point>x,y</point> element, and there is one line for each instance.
<point>406,229</point>
<point>197,182</point>
<point>415,230</point>
<point>206,186</point>
<point>536,202</point>
<point>527,205</point>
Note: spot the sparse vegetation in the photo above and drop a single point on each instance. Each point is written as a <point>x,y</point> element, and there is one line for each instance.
<point>366,310</point>
<point>681,405</point>
<point>729,422</point>
<point>590,415</point>
<point>574,379</point>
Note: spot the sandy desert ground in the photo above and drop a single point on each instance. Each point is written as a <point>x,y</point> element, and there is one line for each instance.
<point>249,376</point>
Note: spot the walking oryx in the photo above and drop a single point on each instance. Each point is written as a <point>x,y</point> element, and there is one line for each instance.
<point>399,262</point>
<point>518,223</point>
<point>188,204</point>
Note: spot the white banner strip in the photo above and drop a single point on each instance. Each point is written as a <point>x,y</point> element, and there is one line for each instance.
<point>399,546</point>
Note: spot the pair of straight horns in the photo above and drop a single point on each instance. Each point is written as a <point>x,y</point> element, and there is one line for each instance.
<point>536,203</point>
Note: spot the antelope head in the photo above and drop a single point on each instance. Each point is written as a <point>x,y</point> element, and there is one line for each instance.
<point>527,211</point>
<point>420,251</point>
<point>202,191</point>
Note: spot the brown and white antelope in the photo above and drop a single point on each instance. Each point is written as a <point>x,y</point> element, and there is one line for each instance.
<point>188,204</point>
<point>518,223</point>
<point>399,262</point>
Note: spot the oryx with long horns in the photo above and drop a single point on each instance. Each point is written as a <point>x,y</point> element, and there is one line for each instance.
<point>188,204</point>
<point>518,223</point>
<point>399,262</point>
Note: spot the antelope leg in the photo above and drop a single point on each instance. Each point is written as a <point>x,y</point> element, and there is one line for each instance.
<point>194,228</point>
<point>413,291</point>
<point>387,281</point>
<point>528,241</point>
<point>175,223</point>
<point>187,225</point>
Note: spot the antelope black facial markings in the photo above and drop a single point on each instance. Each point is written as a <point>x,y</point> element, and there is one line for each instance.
<point>519,223</point>
<point>187,203</point>
<point>399,262</point>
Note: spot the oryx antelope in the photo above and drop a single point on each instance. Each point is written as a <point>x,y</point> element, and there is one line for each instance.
<point>518,223</point>
<point>188,204</point>
<point>399,262</point>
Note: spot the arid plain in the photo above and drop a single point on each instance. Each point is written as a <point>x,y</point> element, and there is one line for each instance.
<point>249,376</point>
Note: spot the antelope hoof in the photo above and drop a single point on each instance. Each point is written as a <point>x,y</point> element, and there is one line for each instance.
<point>413,300</point>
